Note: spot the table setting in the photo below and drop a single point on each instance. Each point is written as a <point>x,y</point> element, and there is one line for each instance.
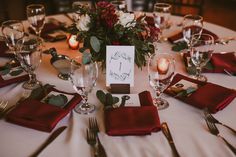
<point>106,82</point>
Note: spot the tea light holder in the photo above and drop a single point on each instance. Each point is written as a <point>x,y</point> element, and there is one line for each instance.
<point>162,65</point>
<point>72,42</point>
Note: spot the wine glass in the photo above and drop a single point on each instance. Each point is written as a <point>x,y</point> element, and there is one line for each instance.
<point>161,14</point>
<point>120,5</point>
<point>29,54</point>
<point>192,24</point>
<point>161,67</point>
<point>77,6</point>
<point>36,17</point>
<point>12,30</point>
<point>201,52</point>
<point>83,77</point>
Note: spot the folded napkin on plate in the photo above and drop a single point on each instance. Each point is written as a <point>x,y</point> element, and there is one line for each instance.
<point>208,95</point>
<point>219,62</point>
<point>13,79</point>
<point>179,36</point>
<point>35,114</point>
<point>4,49</point>
<point>133,120</point>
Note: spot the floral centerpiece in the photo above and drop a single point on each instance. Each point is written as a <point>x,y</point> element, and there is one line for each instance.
<point>103,25</point>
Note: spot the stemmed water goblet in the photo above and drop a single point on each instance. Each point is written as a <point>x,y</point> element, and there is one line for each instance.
<point>161,15</point>
<point>12,30</point>
<point>120,5</point>
<point>161,67</point>
<point>36,17</point>
<point>201,52</point>
<point>83,78</point>
<point>192,24</point>
<point>29,54</point>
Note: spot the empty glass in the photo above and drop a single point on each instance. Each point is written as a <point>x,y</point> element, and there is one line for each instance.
<point>192,24</point>
<point>36,17</point>
<point>201,52</point>
<point>29,54</point>
<point>120,5</point>
<point>161,67</point>
<point>12,30</point>
<point>161,15</point>
<point>76,7</point>
<point>83,78</point>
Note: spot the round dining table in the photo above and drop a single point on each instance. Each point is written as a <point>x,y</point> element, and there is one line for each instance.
<point>186,123</point>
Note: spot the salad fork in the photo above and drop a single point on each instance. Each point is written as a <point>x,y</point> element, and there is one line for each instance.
<point>92,141</point>
<point>93,126</point>
<point>212,119</point>
<point>213,129</point>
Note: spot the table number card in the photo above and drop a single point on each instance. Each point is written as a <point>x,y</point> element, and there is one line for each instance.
<point>120,65</point>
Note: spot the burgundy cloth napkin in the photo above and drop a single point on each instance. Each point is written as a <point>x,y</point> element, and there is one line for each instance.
<point>40,116</point>
<point>219,61</point>
<point>3,50</point>
<point>208,95</point>
<point>133,120</point>
<point>179,35</point>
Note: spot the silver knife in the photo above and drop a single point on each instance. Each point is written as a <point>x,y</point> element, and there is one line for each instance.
<point>49,140</point>
<point>166,132</point>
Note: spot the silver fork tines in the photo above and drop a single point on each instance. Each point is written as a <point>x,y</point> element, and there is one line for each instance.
<point>213,129</point>
<point>93,125</point>
<point>91,139</point>
<point>212,119</point>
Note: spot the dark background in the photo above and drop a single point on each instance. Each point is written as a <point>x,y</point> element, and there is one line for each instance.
<point>221,12</point>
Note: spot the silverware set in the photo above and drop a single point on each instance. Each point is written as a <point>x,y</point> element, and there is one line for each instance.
<point>211,121</point>
<point>93,139</point>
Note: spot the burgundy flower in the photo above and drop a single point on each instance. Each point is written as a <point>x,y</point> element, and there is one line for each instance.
<point>154,33</point>
<point>108,13</point>
<point>115,43</point>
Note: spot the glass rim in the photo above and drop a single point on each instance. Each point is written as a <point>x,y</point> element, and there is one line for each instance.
<point>162,5</point>
<point>194,17</point>
<point>35,6</point>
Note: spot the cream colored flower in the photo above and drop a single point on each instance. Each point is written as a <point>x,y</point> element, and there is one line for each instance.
<point>83,22</point>
<point>126,19</point>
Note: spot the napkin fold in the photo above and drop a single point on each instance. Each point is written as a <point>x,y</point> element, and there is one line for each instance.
<point>178,36</point>
<point>219,61</point>
<point>133,120</point>
<point>4,49</point>
<point>208,95</point>
<point>37,115</point>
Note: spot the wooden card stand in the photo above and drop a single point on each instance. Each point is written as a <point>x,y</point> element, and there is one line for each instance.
<point>120,88</point>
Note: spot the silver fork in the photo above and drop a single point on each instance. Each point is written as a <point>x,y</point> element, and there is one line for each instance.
<point>213,129</point>
<point>91,139</point>
<point>212,119</point>
<point>3,106</point>
<point>93,126</point>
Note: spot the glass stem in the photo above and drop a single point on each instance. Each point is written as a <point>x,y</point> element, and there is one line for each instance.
<point>32,77</point>
<point>158,93</point>
<point>84,97</point>
<point>198,71</point>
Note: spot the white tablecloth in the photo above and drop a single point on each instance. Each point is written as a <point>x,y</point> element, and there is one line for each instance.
<point>186,123</point>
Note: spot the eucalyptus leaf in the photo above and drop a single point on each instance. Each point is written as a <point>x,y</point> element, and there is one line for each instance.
<point>109,99</point>
<point>186,92</point>
<point>86,58</point>
<point>42,90</point>
<point>180,46</point>
<point>16,72</point>
<point>115,100</point>
<point>95,43</point>
<point>57,100</point>
<point>101,96</point>
<point>4,70</point>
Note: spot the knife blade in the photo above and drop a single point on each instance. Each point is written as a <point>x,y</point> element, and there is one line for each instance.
<point>166,132</point>
<point>49,140</point>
